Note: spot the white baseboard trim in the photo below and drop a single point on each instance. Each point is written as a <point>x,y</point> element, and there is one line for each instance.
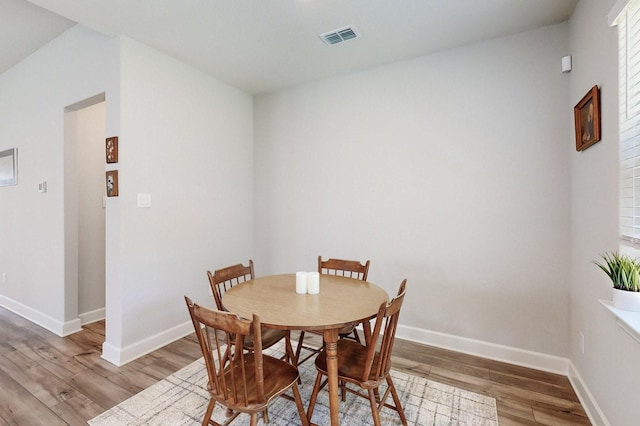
<point>524,358</point>
<point>111,354</point>
<point>121,356</point>
<point>71,327</point>
<point>590,405</point>
<point>92,316</point>
<point>43,320</point>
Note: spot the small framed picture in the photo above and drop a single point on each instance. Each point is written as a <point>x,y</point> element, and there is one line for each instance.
<point>112,183</point>
<point>587,119</point>
<point>112,149</point>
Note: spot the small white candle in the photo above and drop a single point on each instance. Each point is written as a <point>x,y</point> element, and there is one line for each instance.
<point>301,282</point>
<point>313,282</point>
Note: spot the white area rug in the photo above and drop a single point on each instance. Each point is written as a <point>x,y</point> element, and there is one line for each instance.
<point>182,398</point>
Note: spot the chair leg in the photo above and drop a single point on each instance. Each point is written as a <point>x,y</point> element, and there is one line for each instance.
<point>356,335</point>
<point>296,396</point>
<point>314,396</point>
<point>299,348</point>
<point>291,357</point>
<point>396,401</point>
<point>374,408</point>
<point>209,412</point>
<point>254,419</point>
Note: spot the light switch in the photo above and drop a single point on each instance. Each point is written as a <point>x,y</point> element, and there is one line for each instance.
<point>144,200</point>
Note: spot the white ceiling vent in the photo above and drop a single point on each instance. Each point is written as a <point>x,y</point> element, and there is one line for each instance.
<point>340,35</point>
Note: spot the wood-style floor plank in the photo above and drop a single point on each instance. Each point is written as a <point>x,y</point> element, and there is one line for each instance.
<point>46,387</point>
<point>19,407</point>
<point>77,410</point>
<point>516,409</point>
<point>46,379</point>
<point>99,389</point>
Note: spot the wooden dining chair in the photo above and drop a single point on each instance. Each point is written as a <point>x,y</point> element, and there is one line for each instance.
<point>223,279</point>
<point>243,382</point>
<point>344,268</point>
<point>367,366</point>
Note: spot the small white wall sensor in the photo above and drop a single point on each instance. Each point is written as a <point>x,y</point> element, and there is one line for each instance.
<point>566,64</point>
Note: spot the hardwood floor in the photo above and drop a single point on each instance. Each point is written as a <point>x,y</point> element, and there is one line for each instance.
<point>46,379</point>
<point>524,396</point>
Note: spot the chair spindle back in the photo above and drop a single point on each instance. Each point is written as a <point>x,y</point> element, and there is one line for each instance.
<point>378,360</point>
<point>229,381</point>
<point>345,268</point>
<point>223,279</point>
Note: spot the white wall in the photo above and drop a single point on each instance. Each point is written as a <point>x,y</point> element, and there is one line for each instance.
<point>450,170</point>
<point>184,137</point>
<point>187,140</point>
<point>77,65</point>
<point>604,368</point>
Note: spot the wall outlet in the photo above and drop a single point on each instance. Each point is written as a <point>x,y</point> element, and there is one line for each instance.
<point>582,343</point>
<point>144,200</point>
<point>4,277</point>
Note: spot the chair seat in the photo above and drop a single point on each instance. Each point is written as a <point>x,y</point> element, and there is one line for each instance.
<point>352,358</point>
<point>278,375</point>
<point>270,336</point>
<point>344,331</point>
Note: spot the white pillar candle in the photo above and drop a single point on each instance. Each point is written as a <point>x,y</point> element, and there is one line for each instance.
<point>313,282</point>
<point>301,282</point>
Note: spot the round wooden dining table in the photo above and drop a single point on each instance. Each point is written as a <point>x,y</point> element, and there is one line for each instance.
<point>342,301</point>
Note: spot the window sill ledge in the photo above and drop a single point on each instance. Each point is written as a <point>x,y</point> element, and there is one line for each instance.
<point>627,321</point>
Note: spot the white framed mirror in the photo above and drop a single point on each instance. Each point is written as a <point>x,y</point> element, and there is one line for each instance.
<point>9,167</point>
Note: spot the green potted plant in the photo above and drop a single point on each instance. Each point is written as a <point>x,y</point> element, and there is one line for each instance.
<point>624,273</point>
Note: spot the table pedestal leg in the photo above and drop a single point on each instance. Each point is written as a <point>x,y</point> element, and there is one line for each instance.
<point>331,349</point>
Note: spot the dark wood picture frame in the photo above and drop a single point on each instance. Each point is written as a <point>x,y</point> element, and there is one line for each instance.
<point>111,147</point>
<point>587,119</point>
<point>112,183</point>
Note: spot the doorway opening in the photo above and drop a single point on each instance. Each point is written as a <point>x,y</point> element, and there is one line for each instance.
<point>84,205</point>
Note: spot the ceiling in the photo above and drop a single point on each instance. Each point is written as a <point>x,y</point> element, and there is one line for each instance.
<point>260,46</point>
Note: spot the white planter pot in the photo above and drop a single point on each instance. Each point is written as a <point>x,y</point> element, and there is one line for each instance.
<point>626,300</point>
